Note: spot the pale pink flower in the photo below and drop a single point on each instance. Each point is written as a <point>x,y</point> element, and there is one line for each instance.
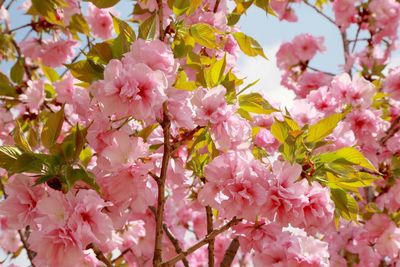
<point>304,112</point>
<point>131,90</point>
<point>4,16</point>
<point>266,140</point>
<point>285,57</point>
<point>285,196</point>
<point>323,100</point>
<point>310,81</point>
<point>31,48</point>
<point>56,53</point>
<point>306,46</point>
<point>385,18</point>
<point>34,95</point>
<point>392,83</point>
<point>210,105</point>
<point>20,205</point>
<point>345,13</point>
<point>155,54</point>
<point>232,133</point>
<point>58,247</point>
<point>236,185</point>
<point>100,21</point>
<point>281,7</point>
<point>122,152</point>
<point>70,10</point>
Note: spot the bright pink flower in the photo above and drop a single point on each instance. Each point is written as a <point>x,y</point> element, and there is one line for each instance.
<point>317,211</point>
<point>285,57</point>
<point>310,81</point>
<point>20,205</point>
<point>392,83</point>
<point>131,90</point>
<point>323,100</point>
<point>100,21</point>
<point>122,152</point>
<point>210,105</point>
<point>386,14</point>
<point>345,13</point>
<point>233,133</point>
<point>34,95</point>
<point>70,10</point>
<point>306,46</point>
<point>266,140</point>
<point>155,54</point>
<point>281,7</point>
<point>285,196</point>
<point>31,48</point>
<point>236,185</point>
<point>56,53</point>
<point>304,112</point>
<point>57,247</point>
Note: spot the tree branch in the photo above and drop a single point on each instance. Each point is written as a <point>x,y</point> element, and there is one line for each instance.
<point>121,255</point>
<point>325,72</point>
<point>394,128</point>
<point>230,253</point>
<point>25,244</point>
<point>346,48</point>
<point>320,12</point>
<point>201,243</point>
<point>211,261</point>
<point>216,6</point>
<point>99,255</point>
<point>166,125</point>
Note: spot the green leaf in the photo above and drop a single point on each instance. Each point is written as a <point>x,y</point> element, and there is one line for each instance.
<point>194,5</point>
<point>145,132</point>
<point>50,74</point>
<point>6,89</point>
<point>255,103</point>
<point>27,162</point>
<point>215,73</point>
<point>79,24</point>
<point>52,128</point>
<point>17,71</point>
<point>180,7</point>
<point>345,204</point>
<point>48,9</point>
<point>147,29</point>
<point>248,45</point>
<point>123,28</point>
<point>323,128</point>
<point>74,175</point>
<point>8,156</point>
<point>279,130</point>
<point>204,35</point>
<point>86,70</point>
<point>349,154</point>
<point>104,3</point>
<point>101,51</point>
<point>182,82</point>
<point>20,139</point>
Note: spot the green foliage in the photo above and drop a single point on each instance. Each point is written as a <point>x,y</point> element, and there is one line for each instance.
<point>86,70</point>
<point>50,74</point>
<point>101,52</point>
<point>6,88</point>
<point>346,205</point>
<point>248,45</point>
<point>255,103</point>
<point>52,128</point>
<point>204,34</point>
<point>147,29</point>
<point>104,3</point>
<point>323,128</point>
<point>77,25</point>
<point>17,71</point>
<point>47,9</point>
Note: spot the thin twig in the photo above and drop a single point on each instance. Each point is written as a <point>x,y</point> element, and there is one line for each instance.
<point>346,49</point>
<point>201,243</point>
<point>325,72</point>
<point>25,244</point>
<point>320,12</point>
<point>230,253</point>
<point>355,43</point>
<point>121,255</point>
<point>173,239</point>
<point>99,255</point>
<point>20,27</point>
<point>216,6</point>
<point>394,128</point>
<point>75,59</point>
<point>9,4</point>
<point>26,68</point>
<point>211,261</point>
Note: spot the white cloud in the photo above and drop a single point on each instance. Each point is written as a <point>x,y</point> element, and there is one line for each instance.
<point>270,77</point>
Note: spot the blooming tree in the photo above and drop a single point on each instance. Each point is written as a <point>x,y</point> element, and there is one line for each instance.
<point>137,143</point>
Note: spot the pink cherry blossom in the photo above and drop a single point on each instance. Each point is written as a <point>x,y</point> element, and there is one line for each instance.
<point>392,83</point>
<point>20,205</point>
<point>34,95</point>
<point>345,13</point>
<point>100,21</point>
<point>56,53</point>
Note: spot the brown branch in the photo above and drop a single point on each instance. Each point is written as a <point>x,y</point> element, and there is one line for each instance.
<point>394,128</point>
<point>230,253</point>
<point>201,243</point>
<point>172,238</point>
<point>320,12</point>
<point>325,72</point>
<point>25,244</point>
<point>211,261</point>
<point>121,255</point>
<point>99,255</point>
<point>356,39</point>
<point>9,4</point>
<point>346,48</point>
<point>166,126</point>
<point>20,27</point>
<point>160,19</point>
<point>216,6</point>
